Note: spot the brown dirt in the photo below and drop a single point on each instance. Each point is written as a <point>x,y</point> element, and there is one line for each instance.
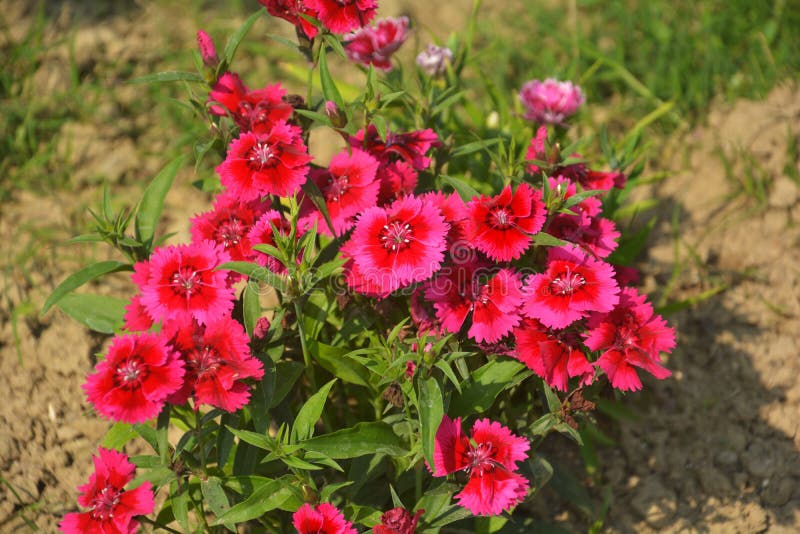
<point>715,448</point>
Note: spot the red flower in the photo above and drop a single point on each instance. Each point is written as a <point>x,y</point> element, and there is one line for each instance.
<point>252,110</point>
<point>493,298</point>
<point>290,10</point>
<point>537,150</point>
<point>489,457</point>
<point>111,509</point>
<point>595,234</point>
<point>324,518</point>
<point>262,234</point>
<point>423,314</point>
<point>375,45</point>
<point>602,180</point>
<point>398,245</point>
<point>228,225</point>
<point>274,163</point>
<point>554,355</point>
<point>502,226</point>
<point>349,187</point>
<point>342,16</point>
<point>218,361</point>
<point>398,521</point>
<point>183,282</point>
<point>573,285</point>
<point>136,317</point>
<point>455,214</point>
<point>630,336</point>
<point>411,147</point>
<point>397,178</point>
<point>134,380</point>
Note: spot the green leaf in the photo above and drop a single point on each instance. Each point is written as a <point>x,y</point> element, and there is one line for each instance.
<point>118,435</point>
<point>76,280</point>
<point>180,505</point>
<point>330,489</point>
<point>152,202</point>
<point>431,411</point>
<point>256,272</point>
<point>253,438</point>
<point>577,198</point>
<point>99,313</point>
<point>487,383</point>
<point>251,308</point>
<point>236,38</point>
<point>286,374</point>
<point>547,240</point>
<point>267,495</point>
<point>465,191</point>
<point>335,360</point>
<point>225,438</point>
<point>310,413</point>
<point>169,76</point>
<point>314,194</point>
<point>329,90</point>
<point>215,497</point>
<point>364,438</point>
<point>475,146</point>
<point>262,396</point>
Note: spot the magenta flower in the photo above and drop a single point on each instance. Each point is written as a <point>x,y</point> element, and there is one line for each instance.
<point>290,10</point>
<point>411,147</point>
<point>376,44</point>
<point>537,150</point>
<point>228,224</point>
<point>630,336</point>
<point>134,380</point>
<point>207,50</point>
<point>434,59</point>
<point>255,110</point>
<point>489,456</point>
<point>598,235</point>
<point>183,282</point>
<point>262,234</point>
<point>554,355</point>
<point>323,518</point>
<point>342,16</point>
<point>573,285</point>
<point>550,101</point>
<point>111,509</point>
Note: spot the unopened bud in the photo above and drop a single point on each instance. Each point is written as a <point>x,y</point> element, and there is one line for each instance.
<point>207,50</point>
<point>336,115</point>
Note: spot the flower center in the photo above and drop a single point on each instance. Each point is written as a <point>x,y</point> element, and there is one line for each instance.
<point>567,283</point>
<point>204,360</point>
<point>500,218</point>
<point>185,282</point>
<point>396,236</point>
<point>104,503</point>
<point>480,459</point>
<point>337,187</point>
<point>130,373</point>
<point>230,232</point>
<point>261,155</point>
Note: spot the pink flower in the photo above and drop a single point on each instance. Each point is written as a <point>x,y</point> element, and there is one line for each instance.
<point>573,285</point>
<point>595,234</point>
<point>134,380</point>
<point>489,457</point>
<point>502,227</point>
<point>111,509</point>
<point>262,234</point>
<point>550,101</point>
<point>554,355</point>
<point>218,361</point>
<point>342,16</point>
<point>375,45</point>
<point>397,179</point>
<point>228,224</point>
<point>290,10</point>
<point>537,150</point>
<point>323,518</point>
<point>455,214</point>
<point>207,50</point>
<point>411,367</point>
<point>630,336</point>
<point>136,317</point>
<point>494,299</point>
<point>400,244</point>
<point>252,110</point>
<point>411,147</point>
<point>434,59</point>
<point>349,187</point>
<point>398,521</point>
<point>183,283</point>
<point>423,314</point>
<point>273,163</point>
<point>602,180</point>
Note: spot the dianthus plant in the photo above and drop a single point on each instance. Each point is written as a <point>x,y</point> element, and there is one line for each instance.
<point>376,334</point>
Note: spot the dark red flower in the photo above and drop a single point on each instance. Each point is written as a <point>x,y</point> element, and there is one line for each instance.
<point>397,178</point>
<point>252,110</point>
<point>290,10</point>
<point>554,355</point>
<point>134,380</point>
<point>398,521</point>
<point>342,16</point>
<point>375,45</point>
<point>411,147</point>
<point>274,163</point>
<point>502,227</point>
<point>111,509</point>
<point>630,336</point>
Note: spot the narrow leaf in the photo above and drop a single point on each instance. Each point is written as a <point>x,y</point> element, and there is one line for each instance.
<point>152,202</point>
<point>76,280</point>
<point>99,313</point>
<point>431,411</point>
<point>364,438</point>
<point>310,413</point>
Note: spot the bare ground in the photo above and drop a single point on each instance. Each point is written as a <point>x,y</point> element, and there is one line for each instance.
<point>714,450</point>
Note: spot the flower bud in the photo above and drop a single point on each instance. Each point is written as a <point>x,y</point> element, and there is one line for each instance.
<point>207,50</point>
<point>337,116</point>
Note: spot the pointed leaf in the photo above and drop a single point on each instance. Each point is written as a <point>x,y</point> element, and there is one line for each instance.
<point>310,413</point>
<point>152,202</point>
<point>77,279</point>
<point>364,438</point>
<point>99,313</point>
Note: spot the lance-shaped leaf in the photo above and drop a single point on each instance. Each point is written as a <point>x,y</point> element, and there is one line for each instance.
<point>99,313</point>
<point>310,413</point>
<point>152,202</point>
<point>76,280</point>
<point>364,438</point>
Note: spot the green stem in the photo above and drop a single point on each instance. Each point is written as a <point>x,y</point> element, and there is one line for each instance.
<point>199,432</point>
<point>301,331</point>
<point>156,524</point>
